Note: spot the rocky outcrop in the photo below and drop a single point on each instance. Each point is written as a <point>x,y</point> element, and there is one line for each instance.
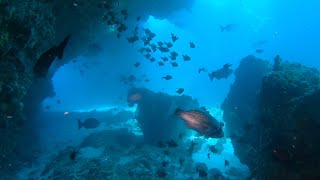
<point>155,113</point>
<point>280,139</point>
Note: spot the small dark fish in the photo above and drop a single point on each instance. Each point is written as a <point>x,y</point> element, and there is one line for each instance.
<point>147,80</point>
<point>152,59</point>
<point>125,17</point>
<point>186,58</point>
<point>213,149</point>
<point>174,37</point>
<point>208,155</point>
<point>227,28</point>
<point>141,50</point>
<point>164,59</point>
<point>202,122</point>
<point>148,50</point>
<point>203,108</point>
<point>138,18</point>
<point>122,27</point>
<point>180,91</point>
<point>224,72</point>
<point>167,77</point>
<point>147,31</point>
<point>173,53</point>
<point>259,51</point>
<point>226,163</point>
<point>147,55</point>
<point>89,123</point>
<point>161,63</point>
<point>173,57</point>
<point>137,64</point>
<point>192,45</point>
<point>153,47</point>
<point>58,101</point>
<point>202,69</point>
<point>124,12</point>
<point>133,39</point>
<point>169,44</point>
<point>73,154</point>
<point>118,35</point>
<point>160,43</point>
<point>164,163</point>
<point>46,59</point>
<point>172,144</point>
<point>164,49</point>
<point>152,35</point>
<point>174,64</point>
<point>48,107</point>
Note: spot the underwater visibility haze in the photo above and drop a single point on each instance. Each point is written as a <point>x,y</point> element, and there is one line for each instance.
<point>159,89</point>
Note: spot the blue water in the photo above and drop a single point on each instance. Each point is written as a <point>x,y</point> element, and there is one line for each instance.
<point>288,27</point>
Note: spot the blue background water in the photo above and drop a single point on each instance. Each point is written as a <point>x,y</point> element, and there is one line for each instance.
<point>289,28</point>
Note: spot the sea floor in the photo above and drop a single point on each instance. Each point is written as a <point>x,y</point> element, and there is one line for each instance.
<point>115,151</point>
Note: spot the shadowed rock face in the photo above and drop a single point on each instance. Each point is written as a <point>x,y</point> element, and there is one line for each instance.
<point>280,105</point>
<point>29,28</point>
<point>155,113</point>
<point>240,106</point>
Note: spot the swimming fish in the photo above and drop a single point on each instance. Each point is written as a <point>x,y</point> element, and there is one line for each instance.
<point>137,64</point>
<point>164,58</point>
<point>186,58</point>
<point>224,72</point>
<point>167,77</point>
<point>202,122</point>
<point>174,37</point>
<point>73,154</point>
<point>169,44</point>
<point>202,69</point>
<point>180,91</point>
<point>226,163</point>
<point>192,45</point>
<point>259,51</point>
<point>44,62</point>
<point>89,123</point>
<point>174,64</point>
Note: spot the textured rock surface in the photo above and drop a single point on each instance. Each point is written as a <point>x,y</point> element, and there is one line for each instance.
<point>28,29</point>
<point>280,140</point>
<point>155,114</point>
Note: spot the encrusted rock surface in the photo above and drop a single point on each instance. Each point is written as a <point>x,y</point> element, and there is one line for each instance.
<point>280,139</point>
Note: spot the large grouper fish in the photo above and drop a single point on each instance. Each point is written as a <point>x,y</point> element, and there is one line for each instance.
<point>202,122</point>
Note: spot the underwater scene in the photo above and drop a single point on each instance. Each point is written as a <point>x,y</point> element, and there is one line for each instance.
<point>159,89</point>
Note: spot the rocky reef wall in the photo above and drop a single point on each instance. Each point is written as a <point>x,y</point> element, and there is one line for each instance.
<point>280,140</point>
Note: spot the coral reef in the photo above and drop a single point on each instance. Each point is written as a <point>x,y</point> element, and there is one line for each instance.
<point>155,113</point>
<point>102,155</point>
<point>280,139</point>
